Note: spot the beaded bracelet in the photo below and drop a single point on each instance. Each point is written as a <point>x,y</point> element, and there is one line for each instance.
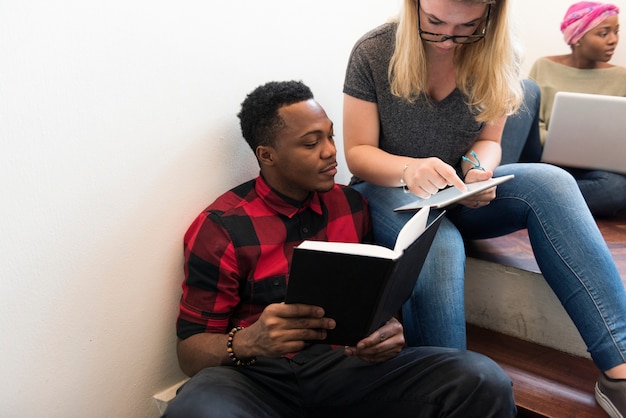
<point>231,351</point>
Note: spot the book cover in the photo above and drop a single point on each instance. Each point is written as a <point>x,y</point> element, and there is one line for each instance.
<point>360,286</point>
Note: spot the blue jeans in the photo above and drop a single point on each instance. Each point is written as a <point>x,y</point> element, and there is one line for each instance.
<point>521,141</point>
<point>604,192</point>
<point>418,382</point>
<point>567,244</point>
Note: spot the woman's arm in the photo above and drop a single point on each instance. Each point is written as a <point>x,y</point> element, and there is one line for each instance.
<point>489,152</point>
<point>423,176</point>
<point>360,135</point>
<point>487,147</point>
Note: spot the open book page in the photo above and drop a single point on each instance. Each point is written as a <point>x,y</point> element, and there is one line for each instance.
<point>370,250</point>
<point>451,195</point>
<point>412,229</point>
<point>408,234</point>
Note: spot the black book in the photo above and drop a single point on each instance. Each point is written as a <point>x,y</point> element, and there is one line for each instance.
<point>360,286</point>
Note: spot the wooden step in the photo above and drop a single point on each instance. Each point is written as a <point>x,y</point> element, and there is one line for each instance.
<point>514,249</point>
<point>546,382</point>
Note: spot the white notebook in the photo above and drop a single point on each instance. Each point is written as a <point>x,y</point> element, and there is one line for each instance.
<point>452,195</point>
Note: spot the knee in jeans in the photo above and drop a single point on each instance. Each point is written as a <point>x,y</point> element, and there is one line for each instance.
<point>546,175</point>
<point>212,389</point>
<point>486,373</point>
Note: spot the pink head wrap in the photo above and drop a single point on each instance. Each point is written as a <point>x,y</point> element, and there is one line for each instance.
<point>584,16</point>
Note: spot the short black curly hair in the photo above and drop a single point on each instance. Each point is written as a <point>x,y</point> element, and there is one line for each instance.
<point>259,117</point>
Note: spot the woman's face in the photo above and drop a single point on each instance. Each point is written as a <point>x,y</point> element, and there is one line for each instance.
<point>449,17</point>
<point>599,43</point>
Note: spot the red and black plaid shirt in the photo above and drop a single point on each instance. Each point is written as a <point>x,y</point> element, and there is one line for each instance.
<point>238,250</point>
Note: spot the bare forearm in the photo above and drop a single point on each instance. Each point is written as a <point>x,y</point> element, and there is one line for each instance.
<point>376,166</point>
<point>488,146</point>
<point>281,329</point>
<point>489,152</point>
<point>200,351</point>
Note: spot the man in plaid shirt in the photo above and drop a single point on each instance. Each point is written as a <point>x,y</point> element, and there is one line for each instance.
<point>248,353</point>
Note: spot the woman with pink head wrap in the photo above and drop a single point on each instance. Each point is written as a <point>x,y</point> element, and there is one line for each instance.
<point>584,16</point>
<point>591,30</point>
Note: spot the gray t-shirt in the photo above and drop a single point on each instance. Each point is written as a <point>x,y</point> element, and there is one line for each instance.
<point>445,129</point>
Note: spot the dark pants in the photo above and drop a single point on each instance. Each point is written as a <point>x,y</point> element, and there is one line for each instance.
<point>419,382</point>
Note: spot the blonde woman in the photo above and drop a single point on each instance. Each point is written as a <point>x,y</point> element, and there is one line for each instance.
<point>426,97</point>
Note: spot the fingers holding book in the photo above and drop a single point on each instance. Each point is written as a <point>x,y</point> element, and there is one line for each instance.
<point>383,344</point>
<point>286,328</point>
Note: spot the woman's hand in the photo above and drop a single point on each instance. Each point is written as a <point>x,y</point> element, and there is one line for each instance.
<point>426,176</point>
<point>479,199</point>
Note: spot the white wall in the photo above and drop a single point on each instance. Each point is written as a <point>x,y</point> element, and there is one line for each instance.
<point>117,126</point>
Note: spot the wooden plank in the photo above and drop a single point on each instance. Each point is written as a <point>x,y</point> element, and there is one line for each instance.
<point>546,382</point>
<point>514,249</point>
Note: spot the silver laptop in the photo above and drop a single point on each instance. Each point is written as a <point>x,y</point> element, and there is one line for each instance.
<point>587,131</point>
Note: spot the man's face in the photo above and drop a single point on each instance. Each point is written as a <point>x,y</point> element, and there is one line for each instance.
<point>303,158</point>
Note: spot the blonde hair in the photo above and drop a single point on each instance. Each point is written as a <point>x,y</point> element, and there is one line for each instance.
<point>487,72</point>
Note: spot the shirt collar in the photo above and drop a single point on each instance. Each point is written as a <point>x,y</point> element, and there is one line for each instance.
<point>283,204</point>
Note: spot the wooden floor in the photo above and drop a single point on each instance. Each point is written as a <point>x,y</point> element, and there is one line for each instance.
<point>546,382</point>
<point>514,249</point>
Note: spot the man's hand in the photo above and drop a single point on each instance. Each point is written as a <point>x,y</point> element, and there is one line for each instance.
<point>282,329</point>
<point>383,344</point>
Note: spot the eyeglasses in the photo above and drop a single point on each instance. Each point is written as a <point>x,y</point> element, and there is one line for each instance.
<point>457,39</point>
